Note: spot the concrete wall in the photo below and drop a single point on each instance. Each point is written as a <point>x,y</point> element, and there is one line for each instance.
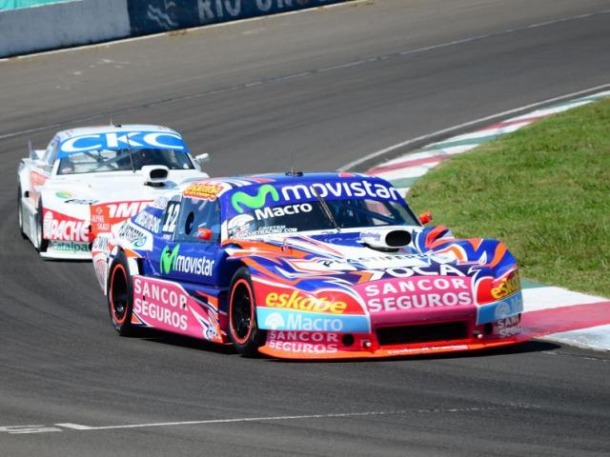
<point>80,22</point>
<point>61,25</point>
<point>14,4</point>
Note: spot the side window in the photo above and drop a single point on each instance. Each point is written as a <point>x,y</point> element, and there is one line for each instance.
<point>208,227</point>
<point>199,220</point>
<point>51,152</point>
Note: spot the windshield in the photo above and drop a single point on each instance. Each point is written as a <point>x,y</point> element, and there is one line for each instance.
<point>123,159</point>
<point>300,217</point>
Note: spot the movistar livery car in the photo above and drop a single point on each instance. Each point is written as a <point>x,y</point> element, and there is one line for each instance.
<point>89,178</point>
<point>321,265</point>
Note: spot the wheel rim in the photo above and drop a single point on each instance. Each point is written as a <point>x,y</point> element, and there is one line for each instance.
<point>241,312</point>
<point>119,298</point>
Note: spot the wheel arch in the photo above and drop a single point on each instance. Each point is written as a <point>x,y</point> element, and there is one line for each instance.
<point>242,324</point>
<point>134,264</point>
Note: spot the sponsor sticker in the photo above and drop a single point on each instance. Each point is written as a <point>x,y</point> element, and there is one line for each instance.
<point>280,211</point>
<point>507,327</point>
<point>57,226</point>
<point>204,191</point>
<point>282,319</point>
<point>148,221</point>
<point>122,140</point>
<point>506,287</point>
<point>301,302</point>
<point>131,233</point>
<point>242,200</point>
<point>304,342</point>
<point>417,293</point>
<point>172,261</point>
<point>167,306</point>
<point>161,303</point>
<point>72,247</point>
<point>104,215</point>
<point>502,309</point>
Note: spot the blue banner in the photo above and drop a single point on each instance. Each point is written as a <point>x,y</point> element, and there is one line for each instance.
<point>154,16</point>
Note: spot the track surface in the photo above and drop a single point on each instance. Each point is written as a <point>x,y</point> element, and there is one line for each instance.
<point>314,91</point>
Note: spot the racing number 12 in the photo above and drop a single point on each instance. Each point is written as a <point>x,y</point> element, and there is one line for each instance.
<point>171,217</point>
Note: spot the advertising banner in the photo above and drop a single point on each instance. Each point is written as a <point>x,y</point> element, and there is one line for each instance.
<point>154,16</point>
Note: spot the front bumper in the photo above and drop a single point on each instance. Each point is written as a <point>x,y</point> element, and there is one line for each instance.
<point>67,250</point>
<point>444,338</point>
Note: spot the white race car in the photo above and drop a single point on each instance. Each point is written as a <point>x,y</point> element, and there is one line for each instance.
<point>90,178</point>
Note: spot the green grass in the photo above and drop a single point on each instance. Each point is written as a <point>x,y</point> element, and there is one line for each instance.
<point>544,190</point>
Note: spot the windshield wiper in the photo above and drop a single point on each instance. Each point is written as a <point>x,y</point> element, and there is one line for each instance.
<point>327,212</point>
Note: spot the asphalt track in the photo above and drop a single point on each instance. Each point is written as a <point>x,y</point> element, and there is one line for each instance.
<point>312,91</point>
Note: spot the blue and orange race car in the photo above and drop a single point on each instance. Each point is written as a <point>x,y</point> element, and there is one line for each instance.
<point>307,266</point>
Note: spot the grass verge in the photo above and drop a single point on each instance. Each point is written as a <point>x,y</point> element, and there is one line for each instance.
<point>544,190</point>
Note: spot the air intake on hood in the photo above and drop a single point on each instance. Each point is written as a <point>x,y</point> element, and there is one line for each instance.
<point>386,238</point>
<point>155,175</point>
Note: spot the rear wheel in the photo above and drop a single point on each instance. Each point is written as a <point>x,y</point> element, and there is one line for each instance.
<point>243,327</point>
<point>120,296</point>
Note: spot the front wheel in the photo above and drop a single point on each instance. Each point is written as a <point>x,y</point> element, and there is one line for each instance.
<point>40,242</point>
<point>243,327</point>
<point>20,211</point>
<point>120,296</point>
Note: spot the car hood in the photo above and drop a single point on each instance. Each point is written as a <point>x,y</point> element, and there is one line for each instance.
<point>77,208</point>
<point>434,273</point>
<point>337,254</point>
<point>117,186</point>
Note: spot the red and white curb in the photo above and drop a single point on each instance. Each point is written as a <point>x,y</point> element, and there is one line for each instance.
<point>405,170</point>
<point>552,313</point>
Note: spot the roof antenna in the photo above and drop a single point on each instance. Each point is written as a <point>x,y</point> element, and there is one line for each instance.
<point>293,172</point>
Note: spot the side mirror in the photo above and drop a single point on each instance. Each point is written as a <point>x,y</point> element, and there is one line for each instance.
<point>425,218</point>
<point>202,158</point>
<point>35,154</point>
<point>204,234</point>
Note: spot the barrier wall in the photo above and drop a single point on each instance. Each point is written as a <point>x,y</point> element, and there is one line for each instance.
<point>14,4</point>
<point>153,16</point>
<point>62,25</point>
<point>79,22</point>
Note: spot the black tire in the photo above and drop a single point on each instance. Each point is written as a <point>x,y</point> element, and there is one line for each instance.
<point>120,296</point>
<point>20,212</point>
<point>40,243</point>
<point>243,327</point>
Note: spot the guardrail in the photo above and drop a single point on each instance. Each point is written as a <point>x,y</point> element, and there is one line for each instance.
<point>80,22</point>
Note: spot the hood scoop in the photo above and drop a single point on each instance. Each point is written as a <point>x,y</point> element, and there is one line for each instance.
<point>386,240</point>
<point>155,175</point>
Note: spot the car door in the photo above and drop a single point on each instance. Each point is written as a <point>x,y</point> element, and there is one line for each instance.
<point>189,250</point>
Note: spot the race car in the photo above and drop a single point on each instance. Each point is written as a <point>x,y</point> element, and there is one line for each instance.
<point>306,266</point>
<point>89,178</point>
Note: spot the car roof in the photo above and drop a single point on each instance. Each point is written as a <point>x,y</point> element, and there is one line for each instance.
<point>109,128</point>
<point>257,180</point>
<point>118,137</point>
<point>325,183</point>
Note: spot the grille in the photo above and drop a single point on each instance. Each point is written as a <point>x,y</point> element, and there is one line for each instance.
<point>422,333</point>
